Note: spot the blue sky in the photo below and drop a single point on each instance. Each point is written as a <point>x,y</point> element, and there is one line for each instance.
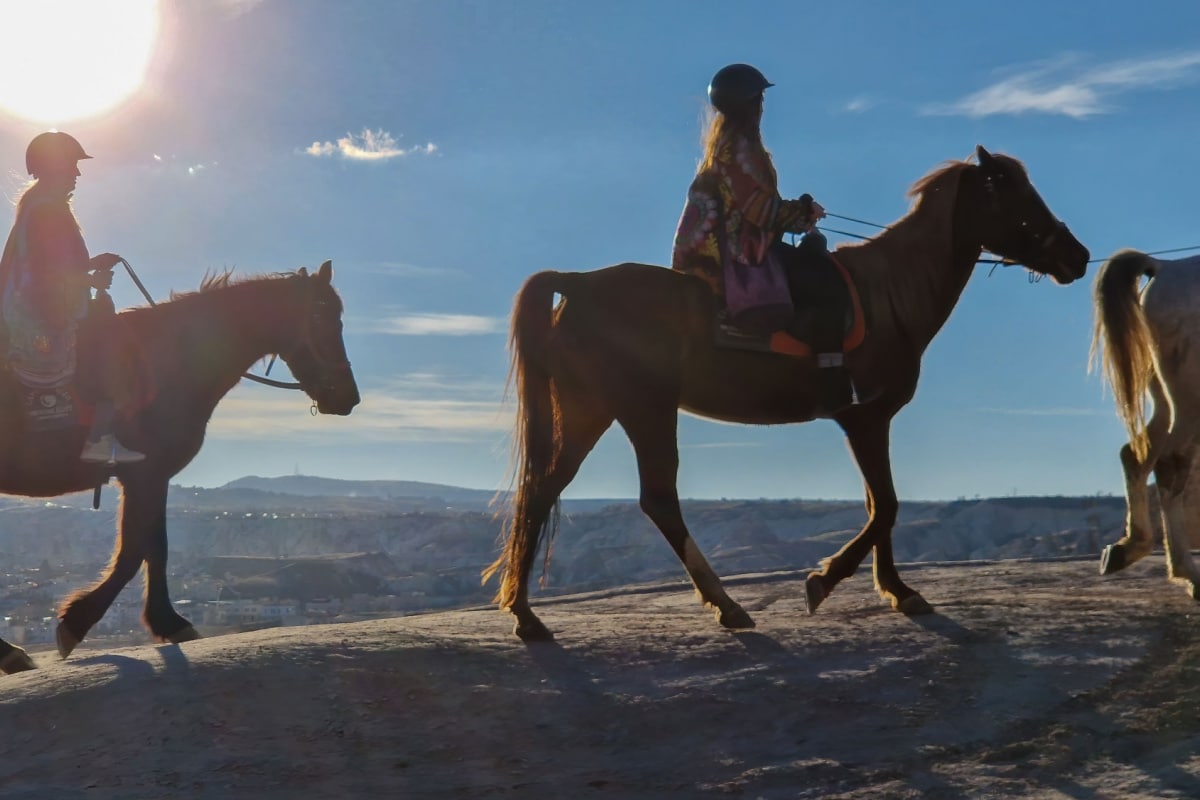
<point>439,152</point>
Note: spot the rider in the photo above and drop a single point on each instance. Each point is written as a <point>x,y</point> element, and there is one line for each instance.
<point>736,181</point>
<point>46,276</point>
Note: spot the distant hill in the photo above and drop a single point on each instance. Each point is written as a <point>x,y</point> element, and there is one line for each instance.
<point>412,495</point>
<point>313,486</point>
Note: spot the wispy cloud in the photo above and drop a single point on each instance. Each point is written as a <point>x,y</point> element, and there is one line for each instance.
<point>1073,89</point>
<point>400,269</point>
<point>418,407</point>
<point>377,145</point>
<point>718,445</point>
<point>858,105</point>
<point>1042,412</point>
<point>235,8</point>
<point>435,325</point>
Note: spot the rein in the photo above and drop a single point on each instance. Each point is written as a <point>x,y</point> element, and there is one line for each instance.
<point>993,261</point>
<point>257,379</point>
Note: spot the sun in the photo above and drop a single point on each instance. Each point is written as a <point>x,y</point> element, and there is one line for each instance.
<point>63,60</point>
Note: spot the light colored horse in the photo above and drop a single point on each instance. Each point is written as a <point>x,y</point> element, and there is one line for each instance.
<point>1146,346</point>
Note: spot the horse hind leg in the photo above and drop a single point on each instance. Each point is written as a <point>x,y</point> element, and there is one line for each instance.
<point>1138,541</point>
<point>1172,475</point>
<point>581,423</point>
<point>655,443</point>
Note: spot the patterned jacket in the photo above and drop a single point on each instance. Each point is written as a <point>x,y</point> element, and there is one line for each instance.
<point>733,210</point>
<point>45,289</point>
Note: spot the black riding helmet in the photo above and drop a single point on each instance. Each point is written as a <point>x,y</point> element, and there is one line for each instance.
<point>734,86</point>
<point>53,151</point>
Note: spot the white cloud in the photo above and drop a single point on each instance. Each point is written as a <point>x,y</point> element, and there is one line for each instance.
<point>1064,87</point>
<point>377,145</point>
<point>437,325</point>
<point>419,407</point>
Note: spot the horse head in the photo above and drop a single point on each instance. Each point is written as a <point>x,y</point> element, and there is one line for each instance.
<point>318,359</point>
<point>1018,226</point>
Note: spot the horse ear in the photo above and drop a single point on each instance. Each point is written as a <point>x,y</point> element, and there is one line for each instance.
<point>984,156</point>
<point>325,272</point>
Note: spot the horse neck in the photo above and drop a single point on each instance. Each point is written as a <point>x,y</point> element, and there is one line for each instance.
<point>914,273</point>
<point>224,331</point>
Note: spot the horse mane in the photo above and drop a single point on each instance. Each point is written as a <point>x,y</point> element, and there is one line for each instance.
<point>898,272</point>
<point>224,279</point>
<point>939,173</point>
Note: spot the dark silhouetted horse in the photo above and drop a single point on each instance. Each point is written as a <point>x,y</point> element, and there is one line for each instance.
<point>190,351</point>
<point>633,343</point>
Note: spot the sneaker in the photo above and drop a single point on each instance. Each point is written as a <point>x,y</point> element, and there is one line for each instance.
<point>107,450</point>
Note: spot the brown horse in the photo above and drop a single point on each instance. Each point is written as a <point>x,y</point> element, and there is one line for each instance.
<point>194,349</point>
<point>634,343</point>
<point>1145,343</point>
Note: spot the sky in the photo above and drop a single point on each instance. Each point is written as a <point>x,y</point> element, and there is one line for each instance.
<point>441,151</point>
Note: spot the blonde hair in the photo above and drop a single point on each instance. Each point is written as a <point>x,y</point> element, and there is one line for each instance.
<point>721,128</point>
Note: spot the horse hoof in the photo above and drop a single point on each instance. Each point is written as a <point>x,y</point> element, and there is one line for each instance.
<point>17,660</point>
<point>914,605</point>
<point>66,640</point>
<point>814,592</point>
<point>532,630</point>
<point>1112,559</point>
<point>734,618</point>
<point>187,634</point>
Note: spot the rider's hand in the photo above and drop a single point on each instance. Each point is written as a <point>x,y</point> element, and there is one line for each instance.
<point>104,261</point>
<point>100,279</point>
<point>818,212</point>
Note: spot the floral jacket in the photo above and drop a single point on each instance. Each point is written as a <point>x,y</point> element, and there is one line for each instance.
<point>733,210</point>
<point>43,290</point>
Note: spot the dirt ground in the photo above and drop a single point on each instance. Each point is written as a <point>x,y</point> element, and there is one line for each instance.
<point>1031,680</point>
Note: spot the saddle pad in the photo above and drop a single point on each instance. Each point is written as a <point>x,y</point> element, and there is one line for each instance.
<point>731,337</point>
<point>52,408</point>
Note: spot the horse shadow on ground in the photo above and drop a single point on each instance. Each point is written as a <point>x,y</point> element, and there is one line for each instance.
<point>1095,729</point>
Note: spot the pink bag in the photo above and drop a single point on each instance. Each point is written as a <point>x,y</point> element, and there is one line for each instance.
<point>757,296</point>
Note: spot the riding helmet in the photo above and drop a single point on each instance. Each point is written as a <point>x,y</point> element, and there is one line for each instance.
<point>53,151</point>
<point>735,86</point>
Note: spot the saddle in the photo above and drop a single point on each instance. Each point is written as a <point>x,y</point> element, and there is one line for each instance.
<point>827,311</point>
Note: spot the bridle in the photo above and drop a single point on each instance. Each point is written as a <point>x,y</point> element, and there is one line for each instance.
<point>313,317</point>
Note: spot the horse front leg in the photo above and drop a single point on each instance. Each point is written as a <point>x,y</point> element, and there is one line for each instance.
<point>85,607</point>
<point>13,659</point>
<point>158,615</point>
<point>868,439</point>
<point>655,443</point>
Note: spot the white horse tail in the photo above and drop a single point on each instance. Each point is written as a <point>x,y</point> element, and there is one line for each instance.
<point>1121,344</point>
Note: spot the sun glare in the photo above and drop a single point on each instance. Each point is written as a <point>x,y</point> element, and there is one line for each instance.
<point>62,60</point>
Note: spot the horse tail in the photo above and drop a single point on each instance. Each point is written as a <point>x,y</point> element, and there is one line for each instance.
<point>1121,344</point>
<point>535,436</point>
